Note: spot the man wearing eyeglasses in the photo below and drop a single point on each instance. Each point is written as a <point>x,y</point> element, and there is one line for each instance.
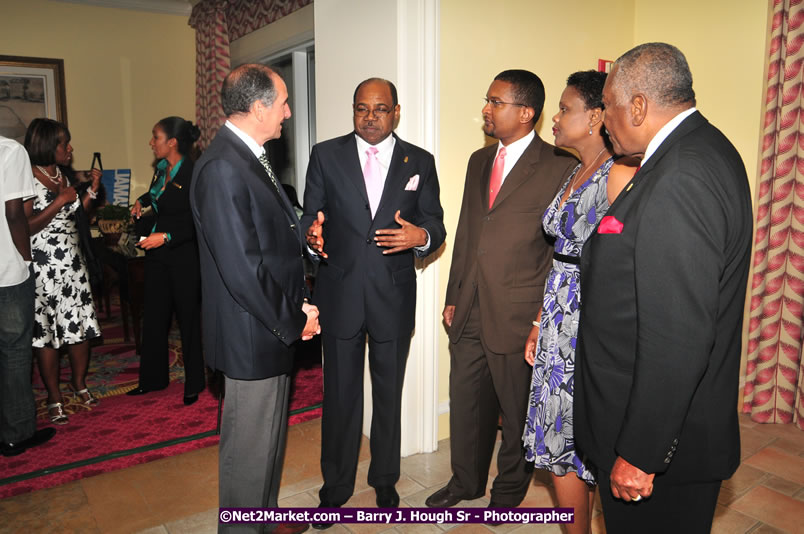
<point>499,264</point>
<point>372,206</point>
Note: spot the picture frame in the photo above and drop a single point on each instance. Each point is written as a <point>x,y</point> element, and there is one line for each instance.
<point>30,87</point>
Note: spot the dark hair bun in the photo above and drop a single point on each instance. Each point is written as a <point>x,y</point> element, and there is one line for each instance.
<point>194,131</point>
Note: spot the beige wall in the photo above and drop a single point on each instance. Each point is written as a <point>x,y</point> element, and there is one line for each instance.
<point>342,61</point>
<point>723,40</point>
<point>124,70</point>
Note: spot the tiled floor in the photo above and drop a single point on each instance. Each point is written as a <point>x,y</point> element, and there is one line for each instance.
<point>179,494</point>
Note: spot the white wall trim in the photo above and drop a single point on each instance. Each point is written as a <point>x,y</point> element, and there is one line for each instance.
<point>269,53</point>
<point>417,82</point>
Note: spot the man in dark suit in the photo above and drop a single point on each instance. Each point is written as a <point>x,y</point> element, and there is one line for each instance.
<point>496,283</point>
<point>252,281</point>
<point>663,285</point>
<point>374,200</point>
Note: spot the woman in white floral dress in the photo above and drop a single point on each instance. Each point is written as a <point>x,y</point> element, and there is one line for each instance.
<point>64,310</point>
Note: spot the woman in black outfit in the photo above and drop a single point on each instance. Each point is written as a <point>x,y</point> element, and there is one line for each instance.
<point>172,275</point>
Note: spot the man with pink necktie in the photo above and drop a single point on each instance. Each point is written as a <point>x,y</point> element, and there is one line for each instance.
<point>371,206</point>
<point>496,282</point>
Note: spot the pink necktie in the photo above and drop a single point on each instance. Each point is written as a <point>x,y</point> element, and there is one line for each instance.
<point>373,177</point>
<point>496,176</point>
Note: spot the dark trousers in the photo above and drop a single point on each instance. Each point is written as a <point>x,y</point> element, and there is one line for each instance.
<point>17,409</point>
<point>252,449</point>
<point>342,419</point>
<point>171,287</point>
<point>671,508</point>
<point>482,386</point>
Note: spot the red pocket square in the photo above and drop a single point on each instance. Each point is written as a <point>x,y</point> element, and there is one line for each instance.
<point>610,225</point>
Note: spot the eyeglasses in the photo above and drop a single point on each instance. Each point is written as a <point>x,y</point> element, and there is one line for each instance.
<point>499,103</point>
<point>379,112</point>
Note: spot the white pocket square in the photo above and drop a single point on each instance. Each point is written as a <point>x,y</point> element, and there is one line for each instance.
<point>413,183</point>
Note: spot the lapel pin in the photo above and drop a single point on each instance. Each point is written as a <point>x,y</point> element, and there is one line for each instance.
<point>405,160</point>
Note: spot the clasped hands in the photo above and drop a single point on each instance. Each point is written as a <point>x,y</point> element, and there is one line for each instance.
<point>311,328</point>
<point>630,483</point>
<point>395,239</point>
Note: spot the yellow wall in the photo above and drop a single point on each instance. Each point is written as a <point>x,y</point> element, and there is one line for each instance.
<point>724,42</point>
<point>124,70</point>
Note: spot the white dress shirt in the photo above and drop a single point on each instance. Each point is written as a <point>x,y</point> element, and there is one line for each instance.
<point>664,132</point>
<point>513,152</point>
<point>252,145</point>
<point>385,151</point>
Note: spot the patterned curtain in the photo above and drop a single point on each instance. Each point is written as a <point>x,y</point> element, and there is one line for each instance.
<point>211,65</point>
<point>774,376</point>
<point>216,23</point>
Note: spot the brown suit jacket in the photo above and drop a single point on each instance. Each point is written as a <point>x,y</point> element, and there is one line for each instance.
<point>501,254</point>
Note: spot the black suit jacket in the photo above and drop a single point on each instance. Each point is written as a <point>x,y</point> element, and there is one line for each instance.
<point>662,304</point>
<point>357,284</point>
<point>173,216</point>
<point>501,254</point>
<point>252,276</point>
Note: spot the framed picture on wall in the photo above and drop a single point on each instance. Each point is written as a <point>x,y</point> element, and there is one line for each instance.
<point>30,87</point>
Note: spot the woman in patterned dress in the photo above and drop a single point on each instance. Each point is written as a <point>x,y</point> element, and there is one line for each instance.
<point>550,348</point>
<point>64,311</point>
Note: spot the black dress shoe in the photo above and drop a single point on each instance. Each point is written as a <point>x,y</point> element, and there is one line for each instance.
<point>39,437</point>
<point>324,526</point>
<point>443,498</point>
<point>139,390</point>
<point>387,497</point>
<point>188,400</point>
<point>493,504</point>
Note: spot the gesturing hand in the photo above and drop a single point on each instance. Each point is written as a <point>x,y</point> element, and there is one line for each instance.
<point>400,239</point>
<point>628,482</point>
<point>311,328</point>
<point>136,210</point>
<point>315,235</point>
<point>154,240</point>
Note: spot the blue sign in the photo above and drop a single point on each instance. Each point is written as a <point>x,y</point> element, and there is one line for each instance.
<point>118,184</point>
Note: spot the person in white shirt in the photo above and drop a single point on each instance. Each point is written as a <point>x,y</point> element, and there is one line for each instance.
<point>17,410</point>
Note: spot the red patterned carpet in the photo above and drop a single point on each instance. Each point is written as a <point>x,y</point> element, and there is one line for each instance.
<point>122,431</point>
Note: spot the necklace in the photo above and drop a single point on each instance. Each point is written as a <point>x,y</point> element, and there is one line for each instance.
<point>56,179</point>
<point>583,171</point>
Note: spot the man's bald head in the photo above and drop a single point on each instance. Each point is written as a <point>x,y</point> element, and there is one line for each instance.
<point>657,70</point>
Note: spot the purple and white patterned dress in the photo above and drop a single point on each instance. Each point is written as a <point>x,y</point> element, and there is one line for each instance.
<point>548,436</point>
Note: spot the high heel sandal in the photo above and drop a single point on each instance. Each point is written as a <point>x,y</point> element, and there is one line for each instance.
<point>59,417</point>
<point>85,397</point>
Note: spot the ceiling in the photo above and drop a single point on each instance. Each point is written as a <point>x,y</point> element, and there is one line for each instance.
<point>173,7</point>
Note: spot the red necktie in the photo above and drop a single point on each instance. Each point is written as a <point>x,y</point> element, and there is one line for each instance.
<point>496,176</point>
